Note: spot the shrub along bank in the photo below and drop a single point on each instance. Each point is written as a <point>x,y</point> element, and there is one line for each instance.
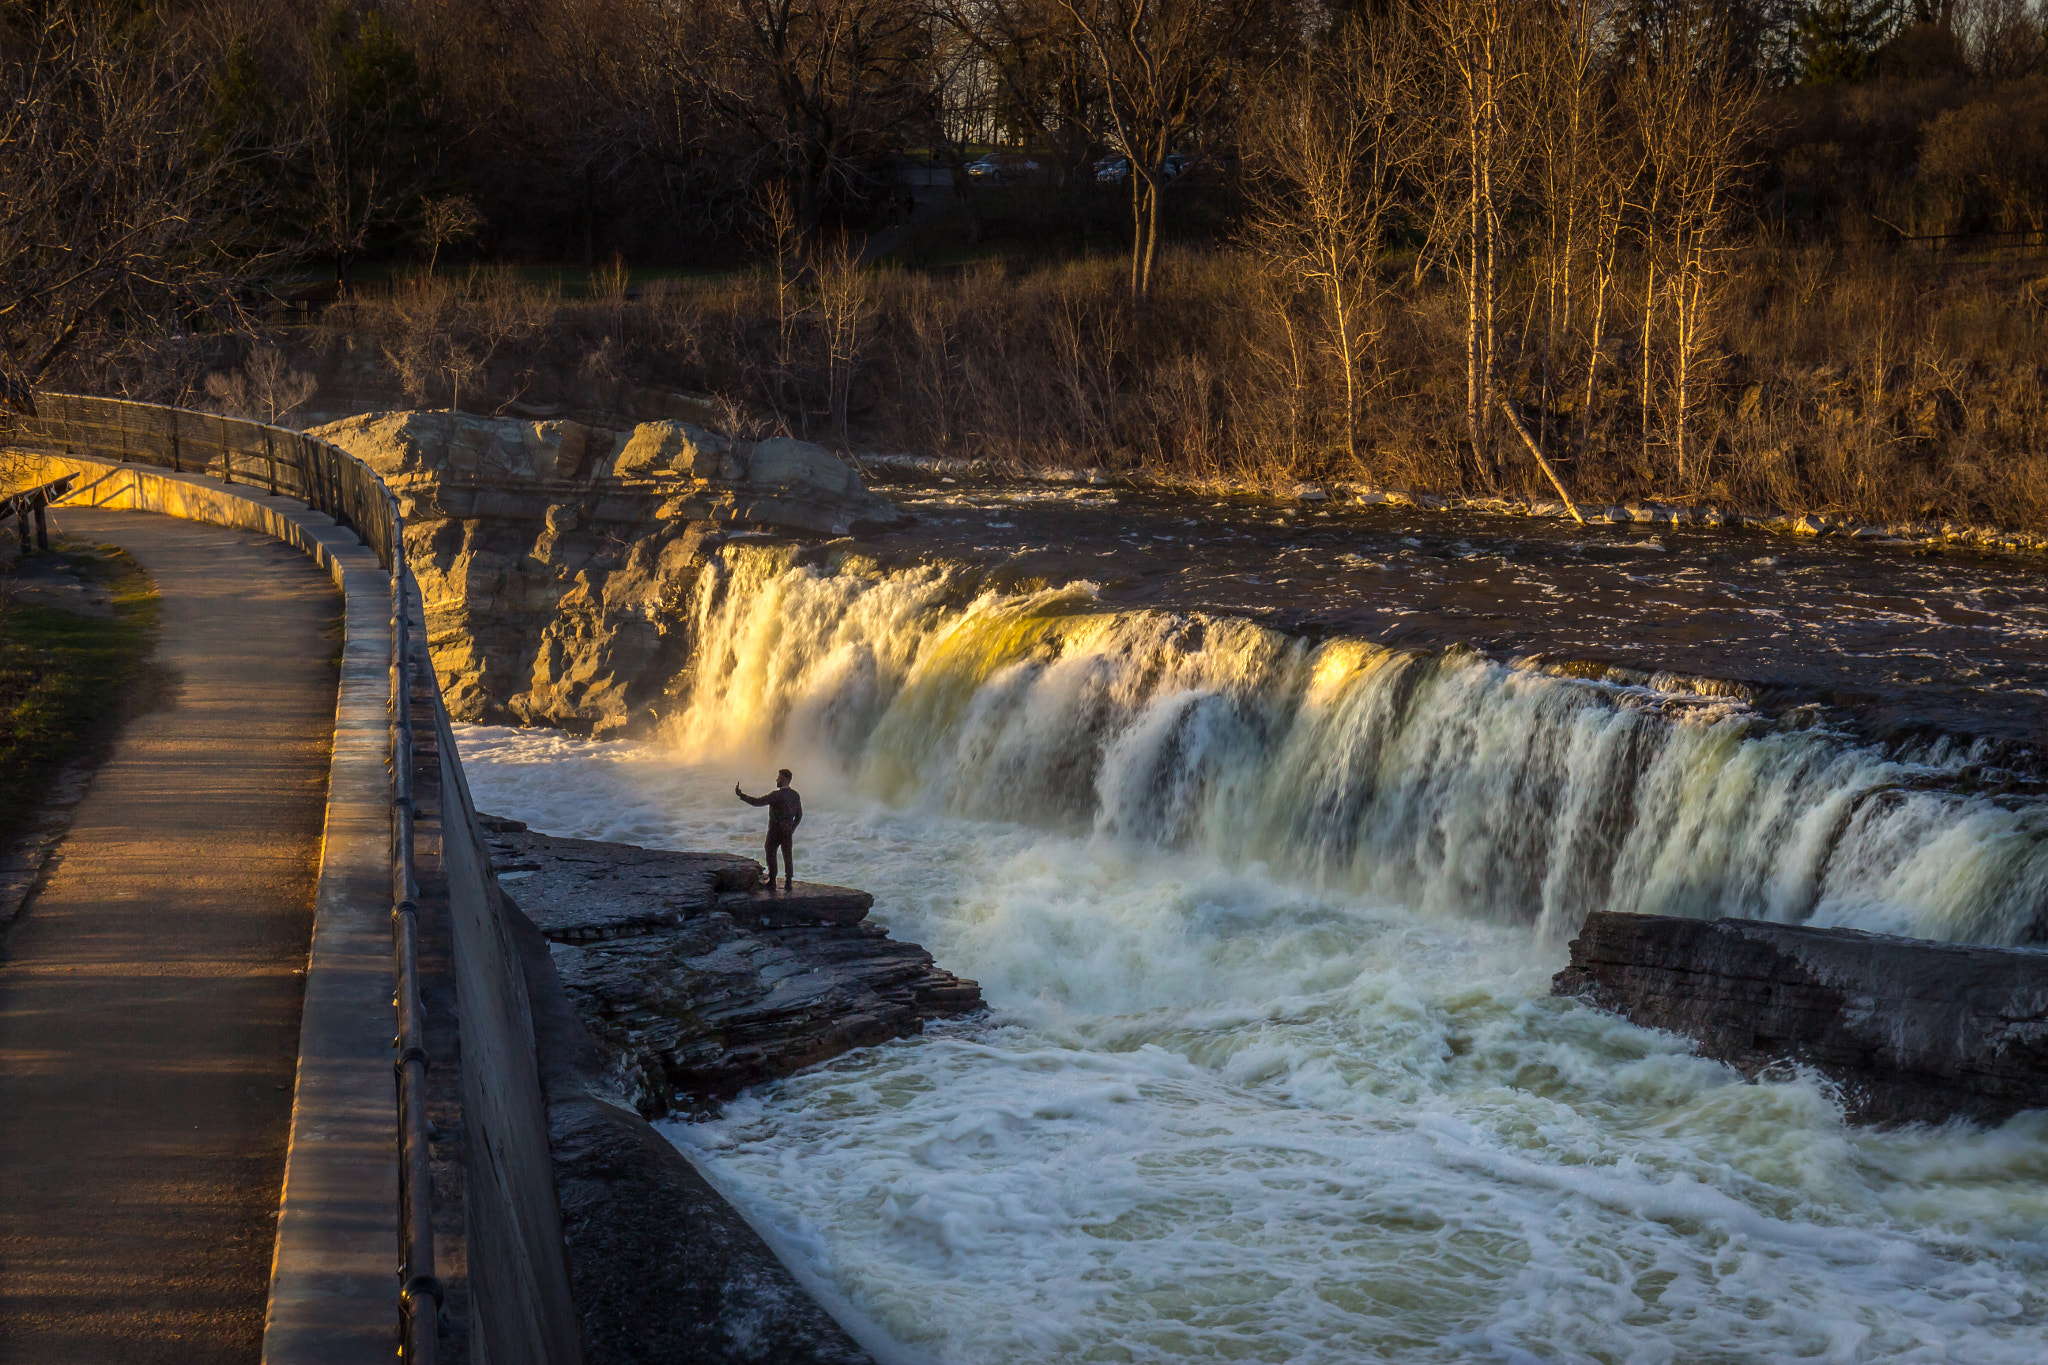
<point>1880,386</point>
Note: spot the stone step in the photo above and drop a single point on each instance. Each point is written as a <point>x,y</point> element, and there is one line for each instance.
<point>802,903</point>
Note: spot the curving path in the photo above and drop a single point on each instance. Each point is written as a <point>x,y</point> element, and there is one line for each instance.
<point>150,994</point>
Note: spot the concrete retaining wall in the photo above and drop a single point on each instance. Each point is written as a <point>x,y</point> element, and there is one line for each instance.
<point>518,1266</point>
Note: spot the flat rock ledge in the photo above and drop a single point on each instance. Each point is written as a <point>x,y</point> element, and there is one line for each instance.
<point>1911,1030</point>
<point>696,981</point>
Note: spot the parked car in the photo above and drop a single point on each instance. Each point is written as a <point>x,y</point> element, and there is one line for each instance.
<point>1115,170</point>
<point>1001,166</point>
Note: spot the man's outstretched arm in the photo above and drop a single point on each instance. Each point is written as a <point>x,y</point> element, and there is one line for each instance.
<point>750,800</point>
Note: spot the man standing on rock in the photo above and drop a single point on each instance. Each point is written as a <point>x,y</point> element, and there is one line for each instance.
<point>785,813</point>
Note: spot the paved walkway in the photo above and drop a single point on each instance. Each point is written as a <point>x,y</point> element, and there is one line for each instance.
<point>149,997</point>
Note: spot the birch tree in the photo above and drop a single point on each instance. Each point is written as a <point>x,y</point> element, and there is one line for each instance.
<point>1695,113</point>
<point>1326,148</point>
<point>1472,43</point>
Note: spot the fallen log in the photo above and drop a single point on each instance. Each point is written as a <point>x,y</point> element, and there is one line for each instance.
<point>1909,1029</point>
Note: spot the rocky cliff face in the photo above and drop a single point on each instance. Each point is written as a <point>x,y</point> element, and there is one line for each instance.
<point>554,557</point>
<point>1911,1030</point>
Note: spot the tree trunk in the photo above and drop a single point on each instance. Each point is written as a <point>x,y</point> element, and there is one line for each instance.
<point>1153,206</point>
<point>1472,235</point>
<point>1491,113</point>
<point>1649,319</point>
<point>1604,275</point>
<point>1346,350</point>
<point>1137,230</point>
<point>1144,229</point>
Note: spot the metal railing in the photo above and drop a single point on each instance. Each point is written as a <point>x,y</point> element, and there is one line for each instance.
<point>277,460</point>
<point>27,508</point>
<point>420,1293</point>
<point>330,480</point>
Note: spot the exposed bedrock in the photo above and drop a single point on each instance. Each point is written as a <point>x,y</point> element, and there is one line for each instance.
<point>697,982</point>
<point>1910,1029</point>
<point>555,558</point>
<point>662,1268</point>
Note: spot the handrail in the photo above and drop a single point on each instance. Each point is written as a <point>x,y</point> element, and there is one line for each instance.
<point>332,481</point>
<point>420,1293</point>
<point>28,504</point>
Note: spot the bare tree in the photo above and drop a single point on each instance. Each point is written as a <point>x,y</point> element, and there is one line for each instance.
<point>823,89</point>
<point>2003,39</point>
<point>1478,163</point>
<point>783,239</point>
<point>1166,65</point>
<point>1996,148</point>
<point>447,221</point>
<point>265,389</point>
<point>1570,155</point>
<point>1017,63</point>
<point>844,311</point>
<point>1326,147</point>
<point>366,130</point>
<point>1695,116</point>
<point>118,208</point>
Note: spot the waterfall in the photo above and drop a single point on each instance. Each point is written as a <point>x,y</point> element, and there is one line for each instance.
<point>1443,780</point>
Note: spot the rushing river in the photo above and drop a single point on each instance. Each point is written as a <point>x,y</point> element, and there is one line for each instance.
<point>1266,920</point>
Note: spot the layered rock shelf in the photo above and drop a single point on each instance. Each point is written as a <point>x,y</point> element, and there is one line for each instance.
<point>557,560</point>
<point>696,980</point>
<point>1910,1029</point>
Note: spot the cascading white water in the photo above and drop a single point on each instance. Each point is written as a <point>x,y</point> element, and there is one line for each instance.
<point>1272,1072</point>
<point>1444,781</point>
<point>1216,1116</point>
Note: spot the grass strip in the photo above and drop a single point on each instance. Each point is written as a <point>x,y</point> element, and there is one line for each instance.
<point>65,676</point>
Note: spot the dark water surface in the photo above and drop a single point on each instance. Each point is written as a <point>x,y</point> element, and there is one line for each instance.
<point>1897,639</point>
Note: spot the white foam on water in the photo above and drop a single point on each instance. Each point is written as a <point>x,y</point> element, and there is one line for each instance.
<point>1223,1114</point>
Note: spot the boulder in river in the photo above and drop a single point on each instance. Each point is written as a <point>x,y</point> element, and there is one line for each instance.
<point>1910,1029</point>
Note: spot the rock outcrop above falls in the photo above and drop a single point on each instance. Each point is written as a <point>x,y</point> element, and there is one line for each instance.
<point>555,559</point>
<point>1910,1029</point>
<point>697,982</point>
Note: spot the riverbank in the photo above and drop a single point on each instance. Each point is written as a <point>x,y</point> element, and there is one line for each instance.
<point>564,582</point>
<point>1339,492</point>
<point>1875,387</point>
